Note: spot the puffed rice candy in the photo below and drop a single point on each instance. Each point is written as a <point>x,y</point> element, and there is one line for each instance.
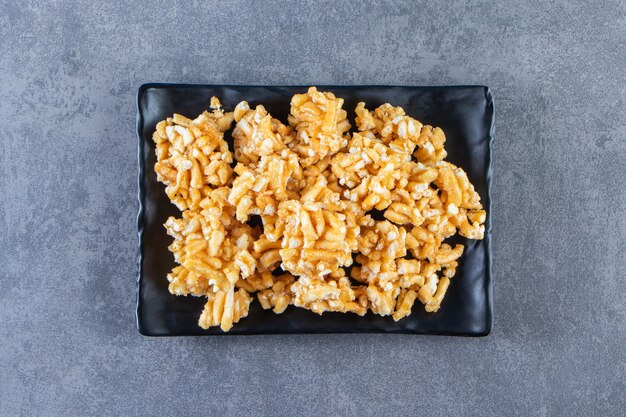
<point>331,293</point>
<point>391,124</point>
<point>279,295</point>
<point>259,188</point>
<point>320,124</point>
<point>225,308</point>
<point>316,240</point>
<point>257,133</point>
<point>369,170</point>
<point>212,257</point>
<point>192,155</point>
<point>402,132</point>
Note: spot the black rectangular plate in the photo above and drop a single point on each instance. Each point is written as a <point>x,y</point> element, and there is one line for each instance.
<point>465,113</point>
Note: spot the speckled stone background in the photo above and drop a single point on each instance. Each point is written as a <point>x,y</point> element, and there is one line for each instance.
<point>69,74</point>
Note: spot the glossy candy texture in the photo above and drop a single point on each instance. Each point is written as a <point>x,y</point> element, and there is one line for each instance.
<point>466,115</point>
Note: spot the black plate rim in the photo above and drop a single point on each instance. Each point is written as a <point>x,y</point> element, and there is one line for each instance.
<point>141,194</point>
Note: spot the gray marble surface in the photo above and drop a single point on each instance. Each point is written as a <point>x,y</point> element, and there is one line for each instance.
<point>69,74</point>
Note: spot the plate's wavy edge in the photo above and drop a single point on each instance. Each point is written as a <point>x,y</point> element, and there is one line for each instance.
<point>141,195</point>
<point>146,86</point>
<point>491,111</point>
<point>141,199</point>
